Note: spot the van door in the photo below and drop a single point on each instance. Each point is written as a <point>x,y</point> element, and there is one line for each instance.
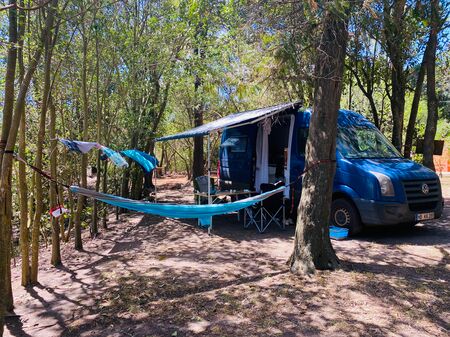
<point>237,157</point>
<point>299,138</point>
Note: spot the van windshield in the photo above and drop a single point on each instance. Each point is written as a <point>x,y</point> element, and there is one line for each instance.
<point>364,142</point>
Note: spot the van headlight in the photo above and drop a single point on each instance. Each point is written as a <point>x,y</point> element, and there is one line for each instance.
<point>386,187</point>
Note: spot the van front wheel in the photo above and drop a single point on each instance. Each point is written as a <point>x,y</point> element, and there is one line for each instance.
<point>344,214</point>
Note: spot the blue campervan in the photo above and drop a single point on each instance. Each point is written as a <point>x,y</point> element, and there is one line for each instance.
<point>373,184</point>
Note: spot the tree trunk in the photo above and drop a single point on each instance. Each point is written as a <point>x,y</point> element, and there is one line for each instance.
<point>373,109</point>
<point>8,105</point>
<point>23,197</point>
<point>54,197</point>
<point>39,197</point>
<point>5,175</point>
<point>432,100</point>
<point>22,179</point>
<point>61,218</point>
<point>370,88</point>
<point>72,216</point>
<point>148,177</point>
<point>94,222</point>
<point>198,162</point>
<point>105,190</point>
<point>312,247</point>
<point>415,105</point>
<point>62,233</point>
<point>350,90</point>
<point>125,189</point>
<point>6,158</point>
<point>397,105</point>
<point>201,33</point>
<point>136,183</point>
<point>393,30</point>
<point>83,172</point>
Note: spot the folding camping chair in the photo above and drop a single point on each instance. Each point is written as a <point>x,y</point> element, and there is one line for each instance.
<point>269,210</point>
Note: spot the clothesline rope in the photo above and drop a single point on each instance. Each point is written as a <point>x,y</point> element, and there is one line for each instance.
<point>49,177</point>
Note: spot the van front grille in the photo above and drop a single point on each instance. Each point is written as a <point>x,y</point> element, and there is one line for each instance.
<point>418,199</point>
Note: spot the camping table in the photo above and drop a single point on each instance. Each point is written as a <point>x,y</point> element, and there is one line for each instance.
<point>219,194</point>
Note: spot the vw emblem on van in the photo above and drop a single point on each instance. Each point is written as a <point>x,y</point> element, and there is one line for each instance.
<point>425,189</point>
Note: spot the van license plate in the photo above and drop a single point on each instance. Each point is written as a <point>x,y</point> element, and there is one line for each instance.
<point>425,216</point>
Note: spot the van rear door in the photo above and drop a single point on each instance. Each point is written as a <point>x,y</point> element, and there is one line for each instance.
<point>237,157</point>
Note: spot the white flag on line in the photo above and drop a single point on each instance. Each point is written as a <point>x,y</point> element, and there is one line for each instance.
<point>58,210</point>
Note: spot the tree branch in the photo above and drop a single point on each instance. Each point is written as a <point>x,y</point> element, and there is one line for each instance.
<point>17,6</point>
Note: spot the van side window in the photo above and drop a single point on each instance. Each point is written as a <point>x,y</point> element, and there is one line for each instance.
<point>236,144</point>
<point>302,136</point>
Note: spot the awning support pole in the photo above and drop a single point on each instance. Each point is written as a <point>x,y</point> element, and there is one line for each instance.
<point>209,177</point>
<point>155,173</point>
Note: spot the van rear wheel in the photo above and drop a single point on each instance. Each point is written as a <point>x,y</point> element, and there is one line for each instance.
<point>344,214</point>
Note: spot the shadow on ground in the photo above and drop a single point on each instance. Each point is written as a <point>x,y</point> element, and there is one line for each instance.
<point>150,276</point>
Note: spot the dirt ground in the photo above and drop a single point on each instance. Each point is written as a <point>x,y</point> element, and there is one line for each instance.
<point>151,276</point>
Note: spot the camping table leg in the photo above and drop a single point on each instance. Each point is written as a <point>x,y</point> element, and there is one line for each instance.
<point>261,225</point>
<point>251,217</point>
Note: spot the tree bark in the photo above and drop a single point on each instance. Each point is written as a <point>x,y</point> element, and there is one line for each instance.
<point>312,247</point>
<point>393,31</point>
<point>415,105</point>
<point>5,175</point>
<point>23,197</point>
<point>8,105</point>
<point>432,100</point>
<point>22,179</point>
<point>56,250</point>
<point>39,147</point>
<point>62,231</point>
<point>94,222</point>
<point>83,172</point>
<point>6,163</point>
<point>105,190</point>
<point>198,161</point>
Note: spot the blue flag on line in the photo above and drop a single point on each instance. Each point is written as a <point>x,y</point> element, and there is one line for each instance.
<point>146,161</point>
<point>114,156</point>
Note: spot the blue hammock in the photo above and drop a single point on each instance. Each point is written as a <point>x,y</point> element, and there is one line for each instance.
<point>203,212</point>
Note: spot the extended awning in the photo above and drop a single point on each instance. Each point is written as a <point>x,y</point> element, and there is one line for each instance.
<point>239,118</point>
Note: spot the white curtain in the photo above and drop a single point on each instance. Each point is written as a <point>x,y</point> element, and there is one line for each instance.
<point>262,153</point>
<point>287,171</point>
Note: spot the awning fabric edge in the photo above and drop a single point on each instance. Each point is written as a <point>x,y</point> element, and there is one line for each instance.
<point>230,120</point>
